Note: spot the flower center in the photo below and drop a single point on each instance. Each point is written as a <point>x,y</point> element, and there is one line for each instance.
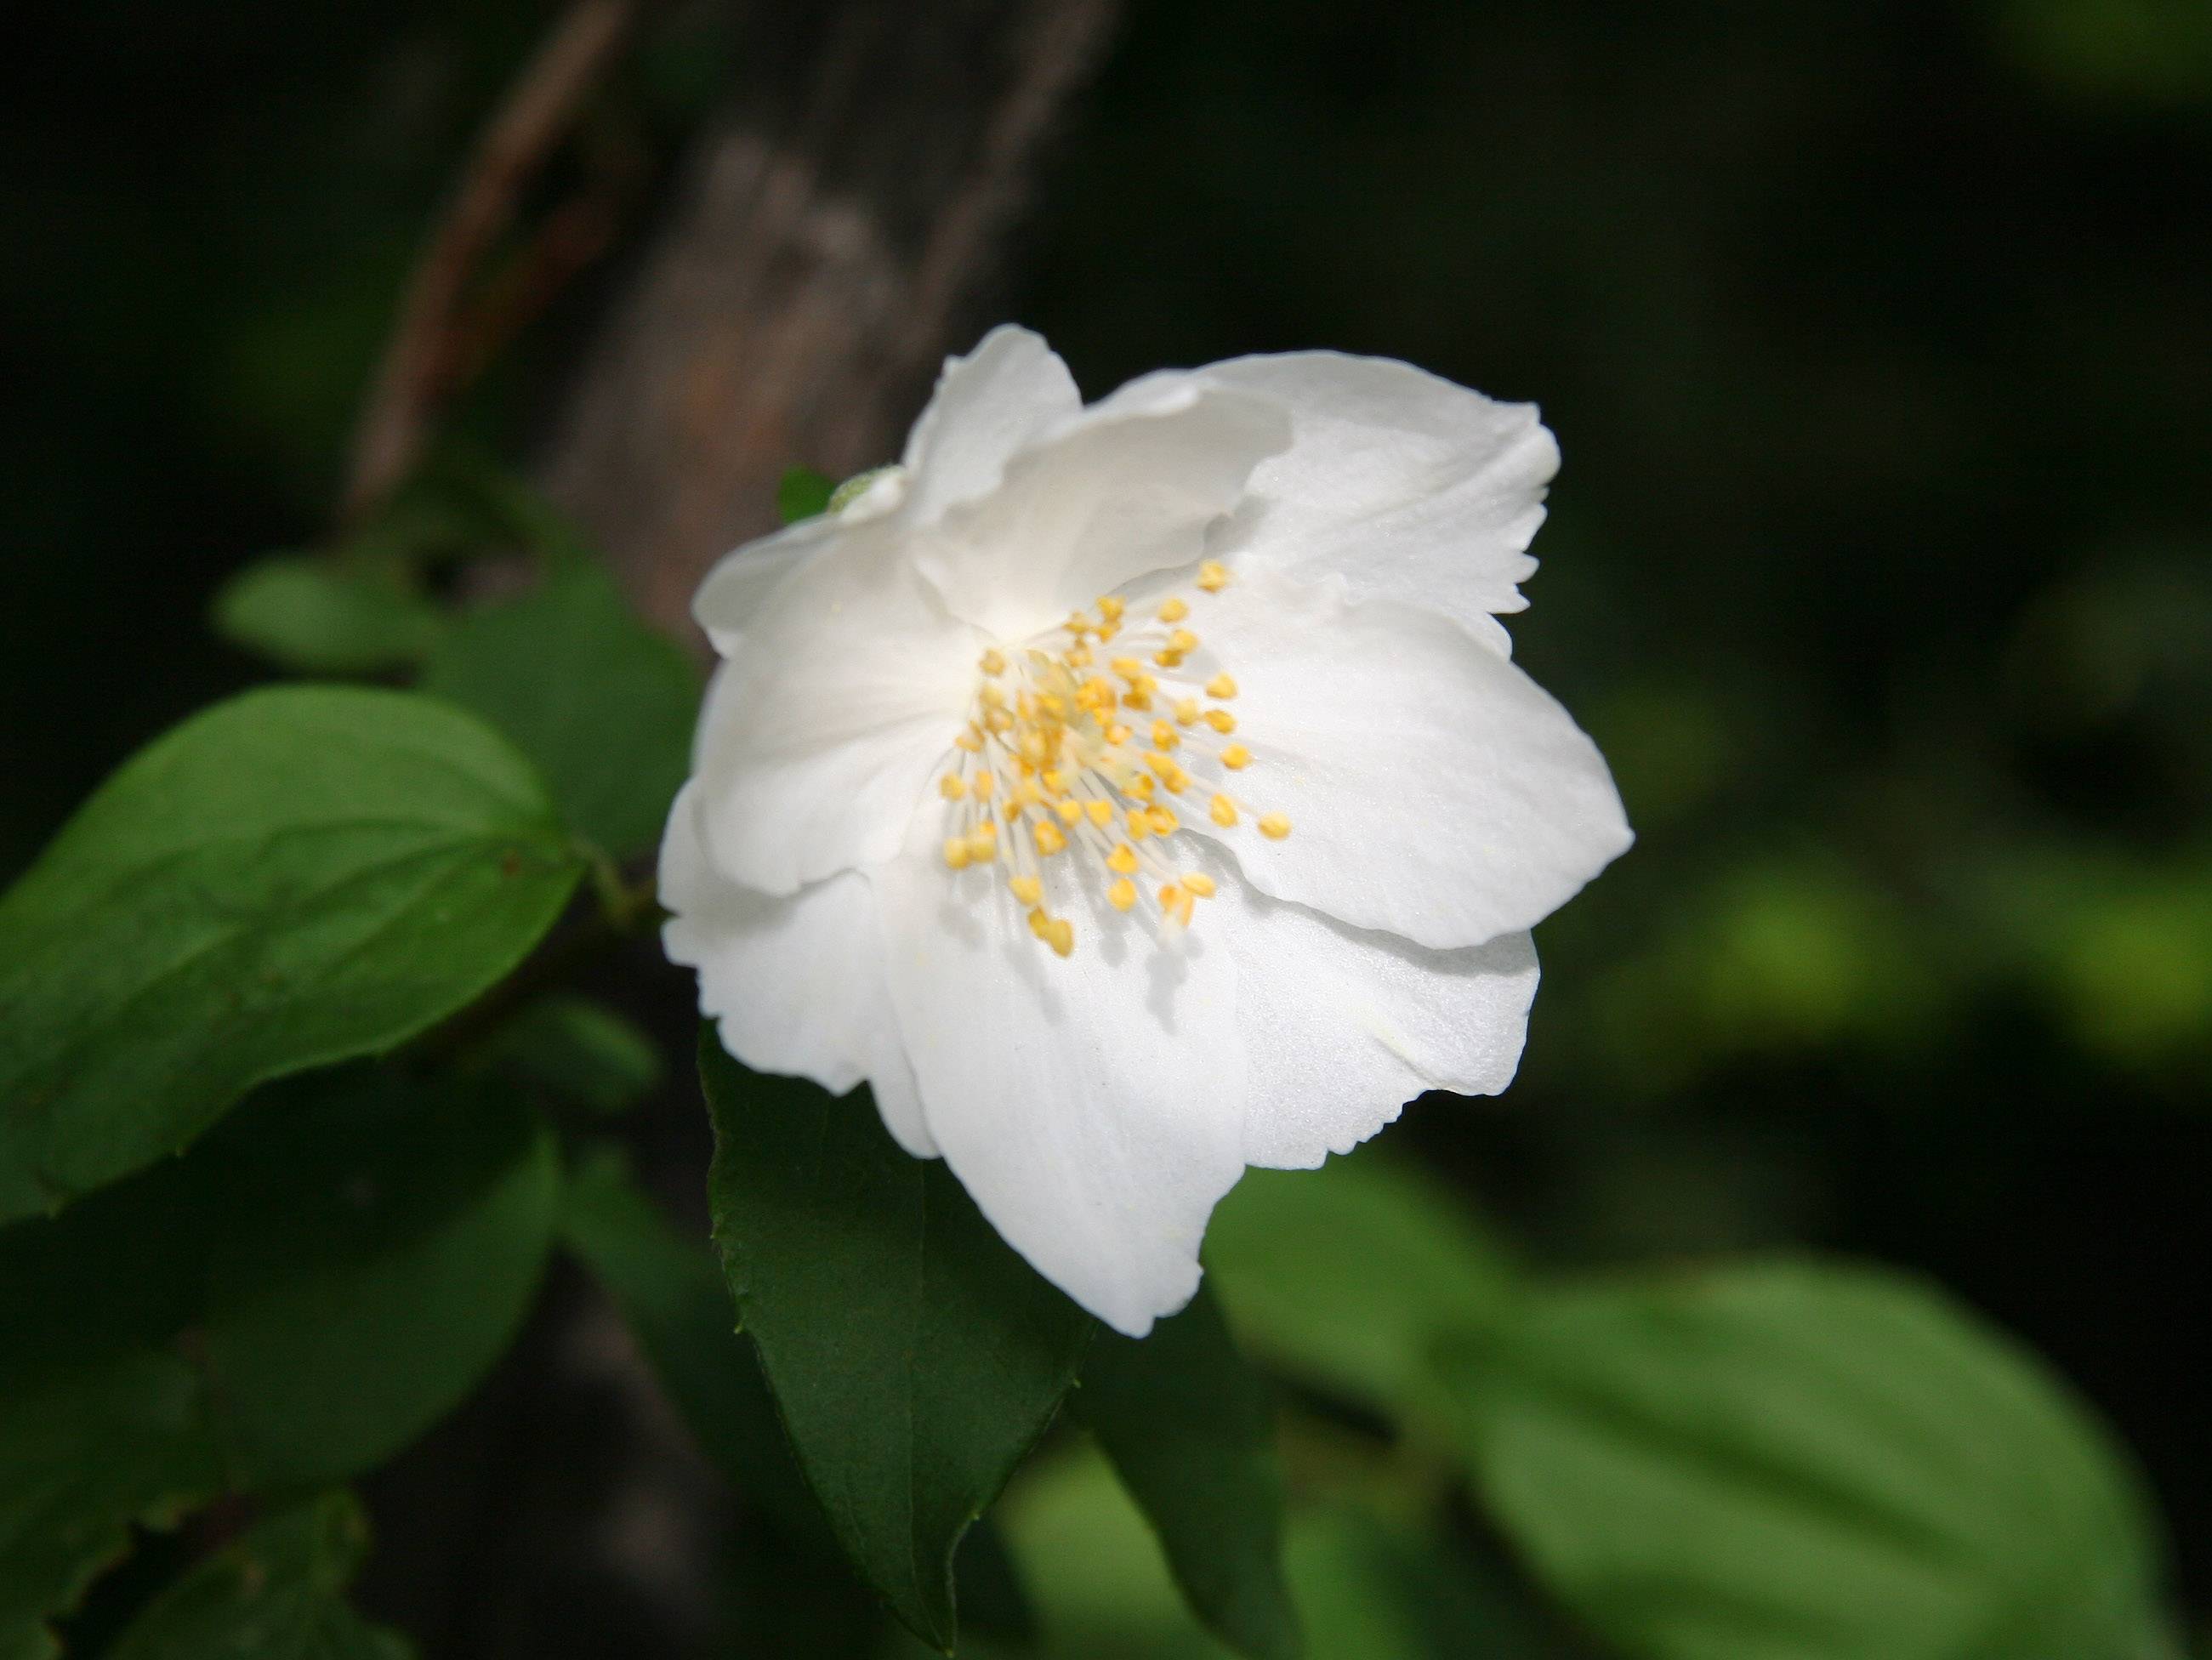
<point>1089,747</point>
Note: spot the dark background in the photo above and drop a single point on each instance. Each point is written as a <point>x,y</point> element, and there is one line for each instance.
<point>1878,337</point>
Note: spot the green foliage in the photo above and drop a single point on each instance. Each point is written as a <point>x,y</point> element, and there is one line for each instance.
<point>1804,1461</point>
<point>292,877</point>
<point>1347,1276</point>
<point>578,1049</point>
<point>803,493</point>
<point>276,1593</point>
<point>289,1305</point>
<point>913,1355</point>
<point>1191,1430</point>
<point>602,703</point>
<point>313,615</point>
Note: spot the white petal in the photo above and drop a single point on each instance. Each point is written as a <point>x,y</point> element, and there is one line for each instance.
<point>1341,1027</point>
<point>1411,487</point>
<point>847,683</point>
<point>1434,790</point>
<point>796,984</point>
<point>1092,1105</point>
<point>1006,392</point>
<point>1128,486</point>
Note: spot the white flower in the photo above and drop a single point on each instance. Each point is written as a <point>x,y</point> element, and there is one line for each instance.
<point>1136,793</point>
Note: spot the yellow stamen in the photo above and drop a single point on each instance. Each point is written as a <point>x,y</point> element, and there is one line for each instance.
<point>985,783</point>
<point>1071,812</point>
<point>1050,841</point>
<point>1027,889</point>
<point>1101,812</point>
<point>1123,894</point>
<point>1221,721</point>
<point>1199,884</point>
<point>1223,812</point>
<point>1236,758</point>
<point>1163,821</point>
<point>993,661</point>
<point>956,851</point>
<point>950,786</point>
<point>1274,826</point>
<point>1221,686</point>
<point>1122,861</point>
<point>1213,576</point>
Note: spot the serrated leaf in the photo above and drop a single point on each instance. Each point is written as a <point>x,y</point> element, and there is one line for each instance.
<point>914,1357</point>
<point>278,1593</point>
<point>1347,1276</point>
<point>307,1291</point>
<point>1191,1430</point>
<point>671,1294</point>
<point>321,615</point>
<point>288,879</point>
<point>604,704</point>
<point>1804,1461</point>
<point>803,493</point>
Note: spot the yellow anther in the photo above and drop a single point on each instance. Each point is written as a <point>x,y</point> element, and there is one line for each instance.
<point>1213,576</point>
<point>1055,782</point>
<point>1101,812</point>
<point>1165,736</point>
<point>1186,710</point>
<point>956,851</point>
<point>1117,733</point>
<point>1274,826</point>
<point>1027,794</point>
<point>952,787</point>
<point>1140,826</point>
<point>1027,889</point>
<point>1050,841</point>
<point>1071,812</point>
<point>1176,901</point>
<point>1059,934</point>
<point>1182,641</point>
<point>1167,659</point>
<point>1174,611</point>
<point>991,696</point>
<point>1140,786</point>
<point>982,844</point>
<point>1221,720</point>
<point>1128,667</point>
<point>985,783</point>
<point>1221,686</point>
<point>1033,749</point>
<point>1109,607</point>
<point>1122,861</point>
<point>1038,920</point>
<point>1076,624</point>
<point>970,740</point>
<point>1162,820</point>
<point>1199,884</point>
<point>1223,812</point>
<point>1079,657</point>
<point>1123,894</point>
<point>993,661</point>
<point>1236,757</point>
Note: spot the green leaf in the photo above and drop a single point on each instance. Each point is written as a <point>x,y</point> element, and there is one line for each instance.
<point>578,1049</point>
<point>913,1356</point>
<point>604,704</point>
<point>319,615</point>
<point>276,1593</point>
<point>290,879</point>
<point>304,1293</point>
<point>803,493</point>
<point>1807,1462</point>
<point>671,1294</point>
<point>386,1250</point>
<point>1347,1276</point>
<point>84,1452</point>
<point>1191,1430</point>
<point>1374,1589</point>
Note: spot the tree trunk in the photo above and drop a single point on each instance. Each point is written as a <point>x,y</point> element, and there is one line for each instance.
<point>834,232</point>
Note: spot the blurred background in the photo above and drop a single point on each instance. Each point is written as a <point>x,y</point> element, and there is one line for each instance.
<point>1877,335</point>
